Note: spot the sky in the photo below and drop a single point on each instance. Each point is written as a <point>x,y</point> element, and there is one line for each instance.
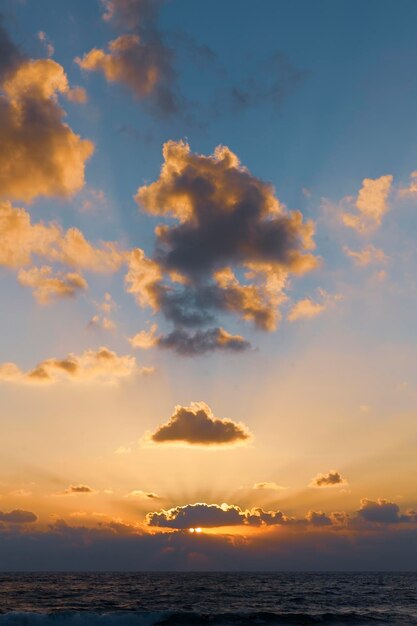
<point>207,260</point>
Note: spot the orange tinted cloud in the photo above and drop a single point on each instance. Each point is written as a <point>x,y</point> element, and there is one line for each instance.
<point>268,486</point>
<point>331,479</point>
<point>41,155</point>
<point>138,59</point>
<point>145,339</point>
<point>411,189</point>
<point>18,516</point>
<point>196,425</point>
<point>128,61</point>
<point>101,365</point>
<point>75,490</point>
<point>21,240</point>
<point>371,204</point>
<point>367,256</point>
<point>308,308</point>
<point>47,285</point>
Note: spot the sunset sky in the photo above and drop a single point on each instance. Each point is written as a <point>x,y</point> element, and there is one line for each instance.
<point>207,262</point>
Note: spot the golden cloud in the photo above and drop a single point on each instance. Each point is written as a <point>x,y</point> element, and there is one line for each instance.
<point>308,308</point>
<point>371,204</point>
<point>140,60</point>
<point>103,366</point>
<point>41,155</point>
<point>18,516</point>
<point>20,241</point>
<point>331,479</point>
<point>367,256</point>
<point>47,285</point>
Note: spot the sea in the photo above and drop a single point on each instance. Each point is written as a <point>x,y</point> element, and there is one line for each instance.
<point>215,599</point>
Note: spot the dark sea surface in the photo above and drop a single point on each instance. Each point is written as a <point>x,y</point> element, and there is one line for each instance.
<point>194,599</point>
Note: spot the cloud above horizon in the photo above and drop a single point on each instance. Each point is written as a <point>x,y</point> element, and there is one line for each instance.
<point>101,366</point>
<point>331,479</point>
<point>196,425</point>
<point>18,516</point>
<point>228,223</point>
<point>47,285</point>
<point>139,59</point>
<point>370,205</point>
<point>383,511</point>
<point>41,155</point>
<point>21,240</point>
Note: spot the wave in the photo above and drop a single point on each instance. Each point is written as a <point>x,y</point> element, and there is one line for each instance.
<point>171,618</point>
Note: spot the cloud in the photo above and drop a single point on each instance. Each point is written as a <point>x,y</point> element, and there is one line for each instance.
<point>331,479</point>
<point>202,341</point>
<point>49,48</point>
<point>411,189</point>
<point>101,365</point>
<point>147,495</point>
<point>115,546</point>
<point>41,155</point>
<point>369,255</point>
<point>206,515</point>
<point>199,514</point>
<point>102,319</point>
<point>140,60</point>
<point>18,517</point>
<point>268,486</point>
<point>308,308</point>
<point>214,516</point>
<point>46,285</point>
<point>21,240</point>
<point>231,251</point>
<point>371,204</point>
<point>318,518</point>
<point>305,309</point>
<point>131,14</point>
<point>381,511</point>
<point>76,489</point>
<point>196,425</point>
<point>145,339</point>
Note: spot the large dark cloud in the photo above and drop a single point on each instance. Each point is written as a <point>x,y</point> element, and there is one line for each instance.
<point>116,547</point>
<point>227,216</point>
<point>231,250</point>
<point>306,544</point>
<point>214,516</point>
<point>196,425</point>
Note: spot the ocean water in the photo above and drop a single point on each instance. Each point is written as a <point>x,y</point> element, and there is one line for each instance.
<point>194,599</point>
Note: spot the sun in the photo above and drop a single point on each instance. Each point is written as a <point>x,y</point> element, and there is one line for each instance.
<point>195,530</point>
